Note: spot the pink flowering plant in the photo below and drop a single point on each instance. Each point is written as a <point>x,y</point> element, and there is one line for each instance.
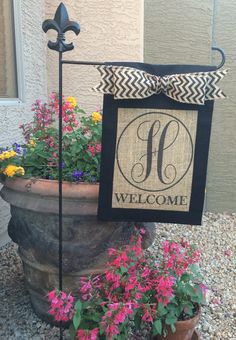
<point>137,291</point>
<point>38,155</point>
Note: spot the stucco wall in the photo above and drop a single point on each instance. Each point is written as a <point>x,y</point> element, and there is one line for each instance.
<point>183,32</point>
<point>110,31</point>
<point>222,164</point>
<point>31,14</point>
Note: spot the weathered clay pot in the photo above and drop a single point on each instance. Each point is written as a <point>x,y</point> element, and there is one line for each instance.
<point>34,227</point>
<point>185,330</point>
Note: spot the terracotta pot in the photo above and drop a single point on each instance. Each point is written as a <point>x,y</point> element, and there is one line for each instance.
<point>185,330</point>
<point>34,227</point>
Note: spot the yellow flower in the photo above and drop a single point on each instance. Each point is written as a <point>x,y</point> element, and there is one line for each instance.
<point>72,101</point>
<point>7,155</point>
<point>96,117</point>
<point>32,143</point>
<point>12,170</point>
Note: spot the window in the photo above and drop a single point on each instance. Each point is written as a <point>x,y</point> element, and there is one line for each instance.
<point>11,73</point>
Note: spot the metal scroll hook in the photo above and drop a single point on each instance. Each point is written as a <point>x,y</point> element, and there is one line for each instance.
<point>222,56</point>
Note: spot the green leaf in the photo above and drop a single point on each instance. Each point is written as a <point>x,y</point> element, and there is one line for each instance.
<point>122,327</point>
<point>199,294</point>
<point>43,155</point>
<point>171,308</point>
<point>101,331</point>
<point>78,306</point>
<point>186,277</point>
<point>170,319</point>
<point>157,327</point>
<point>161,309</point>
<point>76,320</point>
<point>175,302</point>
<point>123,270</point>
<point>173,328</point>
<point>190,290</point>
<point>137,321</point>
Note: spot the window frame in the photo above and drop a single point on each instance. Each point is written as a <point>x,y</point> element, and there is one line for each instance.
<point>19,58</point>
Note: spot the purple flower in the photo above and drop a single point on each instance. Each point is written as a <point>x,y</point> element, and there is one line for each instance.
<point>77,174</point>
<point>3,150</point>
<point>17,148</point>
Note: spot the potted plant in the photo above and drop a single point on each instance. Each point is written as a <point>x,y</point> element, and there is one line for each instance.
<point>138,290</point>
<point>29,173</point>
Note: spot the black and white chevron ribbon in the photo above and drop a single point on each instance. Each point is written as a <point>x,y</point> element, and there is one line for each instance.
<point>130,83</point>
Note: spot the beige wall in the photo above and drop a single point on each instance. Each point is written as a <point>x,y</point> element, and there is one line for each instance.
<point>222,165</point>
<point>110,31</point>
<point>183,31</point>
<point>35,85</point>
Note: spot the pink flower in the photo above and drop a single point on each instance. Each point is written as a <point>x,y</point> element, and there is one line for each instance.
<point>61,305</point>
<point>146,272</point>
<point>132,283</point>
<point>147,317</point>
<point>165,246</point>
<point>138,296</point>
<point>98,148</point>
<point>120,260</point>
<point>119,317</point>
<point>51,295</point>
<point>66,119</point>
<point>85,334</point>
<point>164,289</point>
<point>111,330</point>
<point>68,128</point>
<point>91,149</point>
<point>112,252</point>
<point>86,286</point>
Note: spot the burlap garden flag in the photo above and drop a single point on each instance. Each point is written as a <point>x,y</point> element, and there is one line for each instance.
<point>156,132</point>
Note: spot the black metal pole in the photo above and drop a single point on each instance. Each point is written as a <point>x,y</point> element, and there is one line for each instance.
<point>60,160</point>
<point>61,24</point>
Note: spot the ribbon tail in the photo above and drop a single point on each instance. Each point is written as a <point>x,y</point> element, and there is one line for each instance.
<point>106,84</point>
<point>213,91</point>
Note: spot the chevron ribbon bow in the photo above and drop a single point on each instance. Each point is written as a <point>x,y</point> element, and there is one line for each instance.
<point>130,83</point>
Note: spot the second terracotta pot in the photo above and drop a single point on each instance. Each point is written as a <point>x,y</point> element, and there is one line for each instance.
<point>185,330</point>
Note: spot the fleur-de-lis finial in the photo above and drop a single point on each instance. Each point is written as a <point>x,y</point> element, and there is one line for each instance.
<point>61,24</point>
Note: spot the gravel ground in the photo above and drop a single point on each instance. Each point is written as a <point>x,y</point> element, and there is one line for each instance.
<point>217,240</point>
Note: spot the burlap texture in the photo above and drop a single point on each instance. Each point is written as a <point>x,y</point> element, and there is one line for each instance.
<point>154,159</point>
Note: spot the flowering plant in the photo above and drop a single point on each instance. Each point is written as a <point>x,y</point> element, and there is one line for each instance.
<point>38,156</point>
<point>136,289</point>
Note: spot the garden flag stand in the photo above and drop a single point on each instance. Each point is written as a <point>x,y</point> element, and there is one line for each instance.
<point>156,131</point>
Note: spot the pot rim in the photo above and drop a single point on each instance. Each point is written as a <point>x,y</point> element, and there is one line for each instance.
<point>47,187</point>
<point>182,324</point>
